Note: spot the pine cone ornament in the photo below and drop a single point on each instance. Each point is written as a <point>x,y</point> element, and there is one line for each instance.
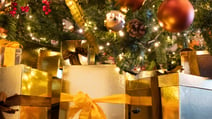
<point>135,28</point>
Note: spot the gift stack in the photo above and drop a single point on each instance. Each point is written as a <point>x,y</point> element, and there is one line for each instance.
<point>28,89</point>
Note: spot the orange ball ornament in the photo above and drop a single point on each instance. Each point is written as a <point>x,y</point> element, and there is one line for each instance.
<point>132,4</point>
<point>175,15</point>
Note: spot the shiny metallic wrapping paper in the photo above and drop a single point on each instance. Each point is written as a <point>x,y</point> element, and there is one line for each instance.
<point>24,80</point>
<point>144,85</point>
<point>96,81</point>
<point>185,96</point>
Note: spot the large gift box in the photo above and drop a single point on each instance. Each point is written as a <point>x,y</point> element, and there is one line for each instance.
<point>185,96</point>
<point>96,81</point>
<point>25,81</point>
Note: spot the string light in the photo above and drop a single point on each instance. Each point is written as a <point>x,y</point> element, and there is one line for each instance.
<point>101,47</point>
<point>157,44</point>
<point>149,50</point>
<point>80,31</point>
<point>95,28</point>
<point>121,33</point>
<point>28,28</point>
<point>108,44</point>
<point>178,34</point>
<point>153,6</point>
<point>30,16</point>
<point>120,56</point>
<point>155,28</point>
<point>140,57</point>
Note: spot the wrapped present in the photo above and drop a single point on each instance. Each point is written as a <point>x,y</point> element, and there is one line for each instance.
<point>96,81</point>
<point>24,80</point>
<point>144,85</point>
<point>10,53</point>
<point>185,96</point>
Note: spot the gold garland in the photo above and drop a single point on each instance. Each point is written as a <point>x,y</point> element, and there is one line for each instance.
<point>77,14</point>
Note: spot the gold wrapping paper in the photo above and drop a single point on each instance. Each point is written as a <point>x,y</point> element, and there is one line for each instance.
<point>90,110</point>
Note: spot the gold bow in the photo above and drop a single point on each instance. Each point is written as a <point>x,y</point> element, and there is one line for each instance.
<point>90,110</point>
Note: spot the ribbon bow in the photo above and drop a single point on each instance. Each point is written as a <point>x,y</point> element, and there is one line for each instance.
<point>90,110</point>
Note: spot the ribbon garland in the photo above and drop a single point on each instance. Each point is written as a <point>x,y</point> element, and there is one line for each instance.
<point>90,110</point>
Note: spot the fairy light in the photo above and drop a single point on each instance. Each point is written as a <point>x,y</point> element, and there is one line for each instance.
<point>110,31</point>
<point>157,44</point>
<point>120,56</point>
<point>85,24</point>
<point>161,24</point>
<point>140,57</point>
<point>95,28</point>
<point>149,50</point>
<point>108,44</point>
<point>178,34</point>
<point>30,16</point>
<point>195,10</point>
<point>153,20</point>
<point>28,28</point>
<point>33,38</point>
<point>80,31</point>
<point>121,33</point>
<point>153,6</point>
<point>90,22</point>
<point>155,28</point>
<point>101,47</point>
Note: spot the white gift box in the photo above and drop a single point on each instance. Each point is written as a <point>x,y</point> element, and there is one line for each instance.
<point>97,81</point>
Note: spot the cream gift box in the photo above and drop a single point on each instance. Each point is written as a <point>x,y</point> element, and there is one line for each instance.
<point>24,80</point>
<point>97,81</point>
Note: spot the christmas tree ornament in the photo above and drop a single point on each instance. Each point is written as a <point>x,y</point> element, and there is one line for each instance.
<point>135,28</point>
<point>132,4</point>
<point>46,7</point>
<point>175,15</point>
<point>115,20</point>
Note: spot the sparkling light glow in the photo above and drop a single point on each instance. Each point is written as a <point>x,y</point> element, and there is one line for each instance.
<point>108,44</point>
<point>80,31</point>
<point>121,33</point>
<point>101,47</point>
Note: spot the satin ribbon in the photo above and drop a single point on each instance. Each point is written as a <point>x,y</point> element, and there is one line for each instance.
<point>12,44</point>
<point>90,110</point>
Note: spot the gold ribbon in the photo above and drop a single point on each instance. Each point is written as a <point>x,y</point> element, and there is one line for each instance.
<point>90,110</point>
<point>12,44</point>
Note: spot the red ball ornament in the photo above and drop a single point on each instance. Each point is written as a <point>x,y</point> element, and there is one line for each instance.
<point>175,15</point>
<point>132,4</point>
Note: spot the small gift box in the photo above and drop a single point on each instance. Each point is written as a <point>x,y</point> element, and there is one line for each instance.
<point>10,53</point>
<point>96,81</point>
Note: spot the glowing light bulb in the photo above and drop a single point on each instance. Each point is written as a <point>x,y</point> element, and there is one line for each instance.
<point>28,28</point>
<point>101,47</point>
<point>80,31</point>
<point>95,28</point>
<point>149,50</point>
<point>155,28</point>
<point>30,16</point>
<point>157,44</point>
<point>108,44</point>
<point>121,33</point>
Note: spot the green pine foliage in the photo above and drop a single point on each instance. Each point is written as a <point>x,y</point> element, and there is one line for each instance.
<point>134,52</point>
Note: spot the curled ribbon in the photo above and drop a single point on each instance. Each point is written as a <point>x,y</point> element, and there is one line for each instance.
<point>90,110</point>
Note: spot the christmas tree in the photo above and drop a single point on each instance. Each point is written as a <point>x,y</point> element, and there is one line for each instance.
<point>127,32</point>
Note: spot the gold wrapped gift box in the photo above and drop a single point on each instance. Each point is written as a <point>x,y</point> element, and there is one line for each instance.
<point>185,96</point>
<point>24,80</point>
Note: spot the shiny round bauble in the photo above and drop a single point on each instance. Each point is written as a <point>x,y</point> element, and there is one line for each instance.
<point>132,4</point>
<point>175,15</point>
<point>115,20</point>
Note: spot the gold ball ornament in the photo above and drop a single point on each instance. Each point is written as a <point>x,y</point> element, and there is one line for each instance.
<point>115,20</point>
<point>132,4</point>
<point>175,15</point>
